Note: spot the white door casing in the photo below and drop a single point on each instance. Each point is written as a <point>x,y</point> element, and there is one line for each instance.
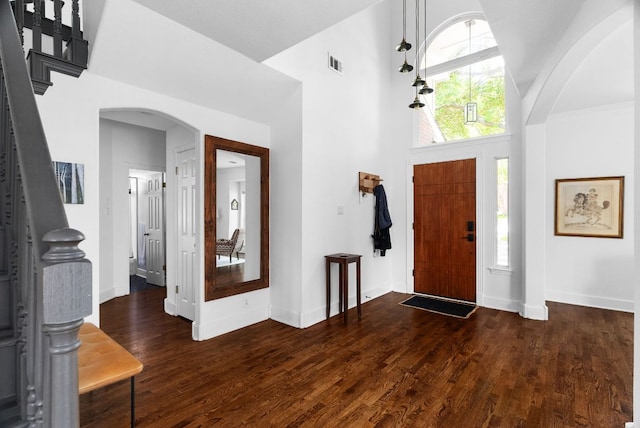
<point>154,235</point>
<point>185,288</point>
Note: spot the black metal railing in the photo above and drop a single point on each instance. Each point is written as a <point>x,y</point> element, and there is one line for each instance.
<point>45,280</point>
<point>70,50</point>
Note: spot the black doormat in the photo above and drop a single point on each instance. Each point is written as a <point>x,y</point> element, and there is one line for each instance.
<point>440,306</point>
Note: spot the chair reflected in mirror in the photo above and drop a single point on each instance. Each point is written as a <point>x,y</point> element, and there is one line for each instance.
<point>239,249</point>
<point>226,247</point>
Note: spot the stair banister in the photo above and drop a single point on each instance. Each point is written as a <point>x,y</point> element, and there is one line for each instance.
<point>38,13</point>
<point>50,277</point>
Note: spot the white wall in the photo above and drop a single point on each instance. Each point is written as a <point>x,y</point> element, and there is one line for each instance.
<point>122,147</point>
<point>227,179</point>
<point>591,271</point>
<point>636,181</point>
<point>496,288</point>
<point>345,130</point>
<point>314,166</point>
<point>580,143</point>
<point>66,106</point>
<point>285,211</point>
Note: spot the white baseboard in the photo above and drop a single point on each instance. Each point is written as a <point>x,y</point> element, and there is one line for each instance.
<point>534,312</point>
<point>590,301</point>
<point>319,314</point>
<point>500,304</point>
<point>170,307</point>
<point>112,293</point>
<point>286,317</point>
<point>217,327</point>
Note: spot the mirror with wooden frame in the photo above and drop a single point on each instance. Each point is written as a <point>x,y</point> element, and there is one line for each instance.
<point>236,217</point>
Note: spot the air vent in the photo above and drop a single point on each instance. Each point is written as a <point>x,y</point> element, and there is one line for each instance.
<point>335,64</point>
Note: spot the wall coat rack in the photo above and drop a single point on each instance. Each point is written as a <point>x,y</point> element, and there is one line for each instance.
<point>367,182</point>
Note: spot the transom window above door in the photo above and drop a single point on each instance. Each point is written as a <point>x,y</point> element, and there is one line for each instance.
<point>464,66</point>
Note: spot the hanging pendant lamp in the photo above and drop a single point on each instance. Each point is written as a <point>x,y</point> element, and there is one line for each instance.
<point>418,80</point>
<point>470,109</point>
<point>425,90</point>
<point>404,45</point>
<point>416,104</point>
<point>406,67</point>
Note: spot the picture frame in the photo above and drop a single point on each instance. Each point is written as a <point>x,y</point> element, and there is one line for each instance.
<point>589,207</point>
<point>70,179</point>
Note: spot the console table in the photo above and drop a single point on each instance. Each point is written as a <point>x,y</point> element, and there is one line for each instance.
<point>102,361</point>
<point>343,261</point>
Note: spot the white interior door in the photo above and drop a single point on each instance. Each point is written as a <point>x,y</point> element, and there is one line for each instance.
<point>154,236</point>
<point>185,289</point>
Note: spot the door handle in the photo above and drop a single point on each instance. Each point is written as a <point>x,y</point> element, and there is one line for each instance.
<point>146,234</point>
<point>470,237</point>
<point>470,226</point>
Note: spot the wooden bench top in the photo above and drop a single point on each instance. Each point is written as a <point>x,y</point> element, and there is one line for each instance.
<point>101,360</point>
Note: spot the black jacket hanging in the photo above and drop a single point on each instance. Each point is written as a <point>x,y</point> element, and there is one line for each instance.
<point>382,222</point>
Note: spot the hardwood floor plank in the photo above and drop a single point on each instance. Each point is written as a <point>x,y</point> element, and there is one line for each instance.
<point>396,367</point>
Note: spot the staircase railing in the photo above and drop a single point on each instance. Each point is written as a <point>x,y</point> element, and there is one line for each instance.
<point>69,59</point>
<point>46,290</point>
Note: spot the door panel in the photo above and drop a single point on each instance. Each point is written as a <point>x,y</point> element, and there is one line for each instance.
<point>444,229</point>
<point>185,294</point>
<point>155,230</point>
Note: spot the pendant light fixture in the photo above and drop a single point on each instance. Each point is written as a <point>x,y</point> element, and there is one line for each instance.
<point>425,90</point>
<point>420,85</point>
<point>416,104</point>
<point>404,46</point>
<point>470,109</point>
<point>418,82</point>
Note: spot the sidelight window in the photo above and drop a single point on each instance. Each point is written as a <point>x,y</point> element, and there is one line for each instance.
<point>502,213</point>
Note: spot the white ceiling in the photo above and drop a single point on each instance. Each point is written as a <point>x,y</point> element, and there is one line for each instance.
<point>527,31</point>
<point>605,75</point>
<point>258,29</point>
<point>140,118</point>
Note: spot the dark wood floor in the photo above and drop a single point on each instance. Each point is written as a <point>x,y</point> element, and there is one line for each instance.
<point>228,275</point>
<point>397,367</point>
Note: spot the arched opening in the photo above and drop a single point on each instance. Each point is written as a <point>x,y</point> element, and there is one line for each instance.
<point>139,151</point>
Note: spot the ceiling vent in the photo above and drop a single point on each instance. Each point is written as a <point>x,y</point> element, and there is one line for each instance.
<point>335,64</point>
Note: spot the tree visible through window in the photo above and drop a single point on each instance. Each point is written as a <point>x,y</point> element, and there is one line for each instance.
<point>464,66</point>
<point>502,212</point>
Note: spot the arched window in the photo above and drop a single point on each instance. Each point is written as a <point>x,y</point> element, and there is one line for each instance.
<point>465,68</point>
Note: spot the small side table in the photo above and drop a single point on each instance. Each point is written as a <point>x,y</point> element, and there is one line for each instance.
<point>103,361</point>
<point>343,261</point>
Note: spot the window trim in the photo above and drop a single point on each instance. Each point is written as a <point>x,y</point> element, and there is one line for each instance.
<point>466,60</point>
<point>460,62</point>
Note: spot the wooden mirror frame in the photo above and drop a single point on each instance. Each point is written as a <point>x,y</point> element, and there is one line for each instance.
<point>211,144</point>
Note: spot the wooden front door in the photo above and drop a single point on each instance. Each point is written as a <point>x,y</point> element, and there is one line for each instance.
<point>445,229</point>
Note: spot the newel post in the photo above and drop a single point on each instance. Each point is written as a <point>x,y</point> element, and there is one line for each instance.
<point>66,300</point>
